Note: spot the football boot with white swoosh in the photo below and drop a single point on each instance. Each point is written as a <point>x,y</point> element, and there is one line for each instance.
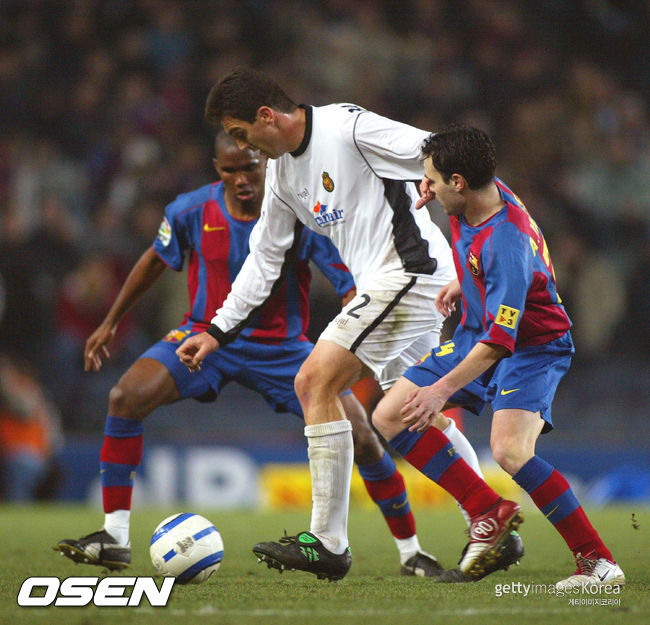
<point>593,572</point>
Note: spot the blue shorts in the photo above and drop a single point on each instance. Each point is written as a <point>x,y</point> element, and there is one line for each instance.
<point>269,370</point>
<point>527,380</point>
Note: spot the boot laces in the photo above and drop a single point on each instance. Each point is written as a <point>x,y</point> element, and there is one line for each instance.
<point>585,565</point>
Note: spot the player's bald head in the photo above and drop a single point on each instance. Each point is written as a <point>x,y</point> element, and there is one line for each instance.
<point>242,174</point>
<point>222,142</point>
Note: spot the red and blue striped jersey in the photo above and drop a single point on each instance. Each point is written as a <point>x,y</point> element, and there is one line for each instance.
<point>197,224</point>
<point>507,279</point>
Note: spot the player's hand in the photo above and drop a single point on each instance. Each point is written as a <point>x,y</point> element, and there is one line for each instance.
<point>421,407</point>
<point>348,297</point>
<point>195,349</point>
<point>447,298</point>
<point>96,348</point>
<point>426,195</point>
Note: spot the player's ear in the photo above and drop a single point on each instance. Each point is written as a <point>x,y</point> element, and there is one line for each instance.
<point>459,182</point>
<point>266,114</point>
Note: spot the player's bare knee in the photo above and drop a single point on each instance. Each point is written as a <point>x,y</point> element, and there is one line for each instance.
<point>509,455</point>
<point>124,402</point>
<point>304,384</point>
<point>313,383</point>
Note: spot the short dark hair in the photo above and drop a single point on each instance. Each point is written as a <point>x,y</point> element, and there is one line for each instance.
<point>464,150</point>
<point>241,93</point>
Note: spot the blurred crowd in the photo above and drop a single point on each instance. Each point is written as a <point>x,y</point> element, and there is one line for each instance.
<point>101,126</point>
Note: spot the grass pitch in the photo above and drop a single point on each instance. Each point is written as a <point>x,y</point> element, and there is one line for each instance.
<point>244,592</point>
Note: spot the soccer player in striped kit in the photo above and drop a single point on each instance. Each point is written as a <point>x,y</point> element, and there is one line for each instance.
<point>512,347</point>
<point>351,175</point>
<point>211,226</point>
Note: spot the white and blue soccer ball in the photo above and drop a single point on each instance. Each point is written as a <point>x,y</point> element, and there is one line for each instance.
<point>186,546</point>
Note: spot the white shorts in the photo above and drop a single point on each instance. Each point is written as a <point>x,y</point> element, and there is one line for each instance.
<point>389,328</point>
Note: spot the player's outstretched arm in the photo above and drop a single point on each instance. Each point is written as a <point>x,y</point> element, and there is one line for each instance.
<point>143,274</point>
<point>195,348</point>
<point>447,298</point>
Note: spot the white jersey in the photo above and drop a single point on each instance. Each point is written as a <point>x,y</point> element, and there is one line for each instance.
<point>353,179</point>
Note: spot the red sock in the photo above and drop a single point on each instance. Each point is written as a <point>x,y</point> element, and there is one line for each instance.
<point>432,453</point>
<point>386,487</point>
<point>554,497</point>
<point>120,456</point>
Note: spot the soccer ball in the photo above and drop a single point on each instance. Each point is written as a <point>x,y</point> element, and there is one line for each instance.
<point>186,546</point>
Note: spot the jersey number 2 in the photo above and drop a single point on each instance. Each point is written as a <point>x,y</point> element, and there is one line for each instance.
<point>366,300</point>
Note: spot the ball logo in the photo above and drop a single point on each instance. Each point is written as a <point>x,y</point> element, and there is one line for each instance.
<point>187,546</point>
<point>484,530</point>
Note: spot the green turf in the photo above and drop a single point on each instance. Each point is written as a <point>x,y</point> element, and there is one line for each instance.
<point>243,591</point>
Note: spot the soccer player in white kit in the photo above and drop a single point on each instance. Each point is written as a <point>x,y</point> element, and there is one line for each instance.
<point>351,175</point>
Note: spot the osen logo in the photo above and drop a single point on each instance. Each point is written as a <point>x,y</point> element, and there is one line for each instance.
<point>80,591</point>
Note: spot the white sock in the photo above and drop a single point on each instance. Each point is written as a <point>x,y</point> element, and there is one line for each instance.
<point>117,525</point>
<point>407,547</point>
<point>330,463</point>
<point>466,451</point>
